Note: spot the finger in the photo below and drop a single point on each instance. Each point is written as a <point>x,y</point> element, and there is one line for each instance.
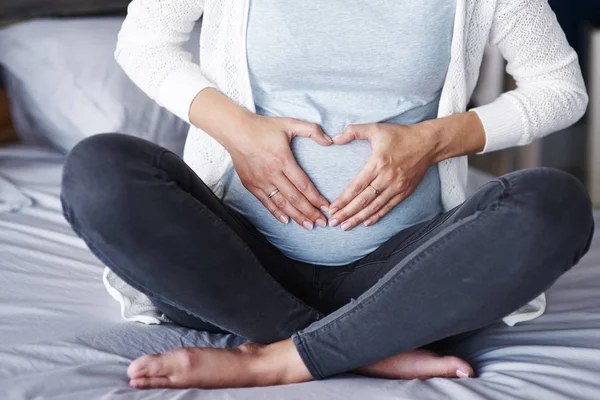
<point>281,203</point>
<point>301,219</point>
<point>303,183</point>
<point>353,214</point>
<point>369,214</point>
<point>147,365</point>
<point>383,210</point>
<point>353,132</point>
<point>309,215</point>
<point>269,204</point>
<point>307,129</point>
<point>354,188</point>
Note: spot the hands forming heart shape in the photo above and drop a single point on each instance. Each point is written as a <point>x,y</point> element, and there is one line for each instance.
<point>266,166</point>
<point>399,161</point>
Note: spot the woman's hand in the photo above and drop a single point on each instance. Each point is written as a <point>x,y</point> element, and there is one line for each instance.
<point>261,154</point>
<point>264,161</point>
<point>400,158</point>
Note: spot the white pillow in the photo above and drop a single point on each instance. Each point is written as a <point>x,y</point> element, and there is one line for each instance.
<point>65,84</point>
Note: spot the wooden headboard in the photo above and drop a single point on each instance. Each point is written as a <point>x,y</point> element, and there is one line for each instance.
<point>7,133</point>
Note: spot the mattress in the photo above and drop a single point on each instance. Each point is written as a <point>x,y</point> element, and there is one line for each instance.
<point>61,335</point>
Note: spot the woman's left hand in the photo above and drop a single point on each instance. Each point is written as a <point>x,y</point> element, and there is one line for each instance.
<point>400,158</point>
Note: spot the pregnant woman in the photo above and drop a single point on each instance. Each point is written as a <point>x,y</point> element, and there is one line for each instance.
<point>320,212</point>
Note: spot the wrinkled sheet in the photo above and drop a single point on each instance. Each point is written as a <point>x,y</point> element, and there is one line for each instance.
<point>61,335</point>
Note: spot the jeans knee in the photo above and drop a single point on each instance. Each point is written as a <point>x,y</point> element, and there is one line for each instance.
<point>95,174</point>
<point>81,169</point>
<point>558,204</point>
<point>560,193</point>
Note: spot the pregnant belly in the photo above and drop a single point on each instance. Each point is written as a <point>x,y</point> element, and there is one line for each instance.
<point>331,169</point>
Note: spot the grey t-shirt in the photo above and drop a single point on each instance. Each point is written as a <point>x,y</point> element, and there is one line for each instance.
<point>337,63</point>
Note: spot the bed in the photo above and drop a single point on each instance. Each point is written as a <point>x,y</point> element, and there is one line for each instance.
<point>61,335</point>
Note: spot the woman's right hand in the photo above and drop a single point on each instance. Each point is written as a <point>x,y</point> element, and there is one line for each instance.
<point>261,154</point>
<point>264,162</point>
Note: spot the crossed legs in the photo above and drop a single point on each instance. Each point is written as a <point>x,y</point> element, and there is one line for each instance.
<point>147,216</point>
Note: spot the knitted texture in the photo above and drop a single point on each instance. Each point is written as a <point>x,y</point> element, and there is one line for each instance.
<point>550,92</point>
<point>550,95</point>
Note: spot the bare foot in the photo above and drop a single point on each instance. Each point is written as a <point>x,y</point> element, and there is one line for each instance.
<point>276,364</point>
<point>248,365</point>
<point>418,364</point>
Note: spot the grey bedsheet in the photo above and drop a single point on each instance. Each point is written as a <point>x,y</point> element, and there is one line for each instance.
<point>61,336</point>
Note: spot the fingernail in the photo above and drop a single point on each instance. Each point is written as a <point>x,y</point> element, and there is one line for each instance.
<point>333,223</point>
<point>325,209</point>
<point>368,222</point>
<point>329,139</point>
<point>346,226</point>
<point>285,219</point>
<point>461,374</point>
<point>333,210</point>
<point>322,223</point>
<point>307,225</point>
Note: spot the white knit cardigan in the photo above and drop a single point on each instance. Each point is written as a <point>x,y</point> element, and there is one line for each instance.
<point>550,92</point>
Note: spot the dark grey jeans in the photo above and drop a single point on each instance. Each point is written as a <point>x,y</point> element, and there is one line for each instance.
<point>147,216</point>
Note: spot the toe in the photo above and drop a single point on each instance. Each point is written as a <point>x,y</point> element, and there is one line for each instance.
<point>455,367</point>
<point>151,383</point>
<point>146,366</point>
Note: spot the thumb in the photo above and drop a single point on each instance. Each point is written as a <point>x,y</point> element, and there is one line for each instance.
<point>352,132</point>
<point>309,130</point>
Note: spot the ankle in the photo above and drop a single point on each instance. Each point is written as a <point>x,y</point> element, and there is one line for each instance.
<point>276,364</point>
<point>259,364</point>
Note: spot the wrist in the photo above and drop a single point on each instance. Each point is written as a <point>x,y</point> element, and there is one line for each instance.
<point>219,116</point>
<point>455,135</point>
<point>433,133</point>
<point>236,127</point>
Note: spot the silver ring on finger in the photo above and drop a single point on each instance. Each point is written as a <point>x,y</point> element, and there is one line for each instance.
<point>377,192</point>
<point>273,193</point>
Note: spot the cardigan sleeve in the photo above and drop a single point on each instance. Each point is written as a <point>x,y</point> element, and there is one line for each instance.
<point>550,93</point>
<point>150,51</point>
